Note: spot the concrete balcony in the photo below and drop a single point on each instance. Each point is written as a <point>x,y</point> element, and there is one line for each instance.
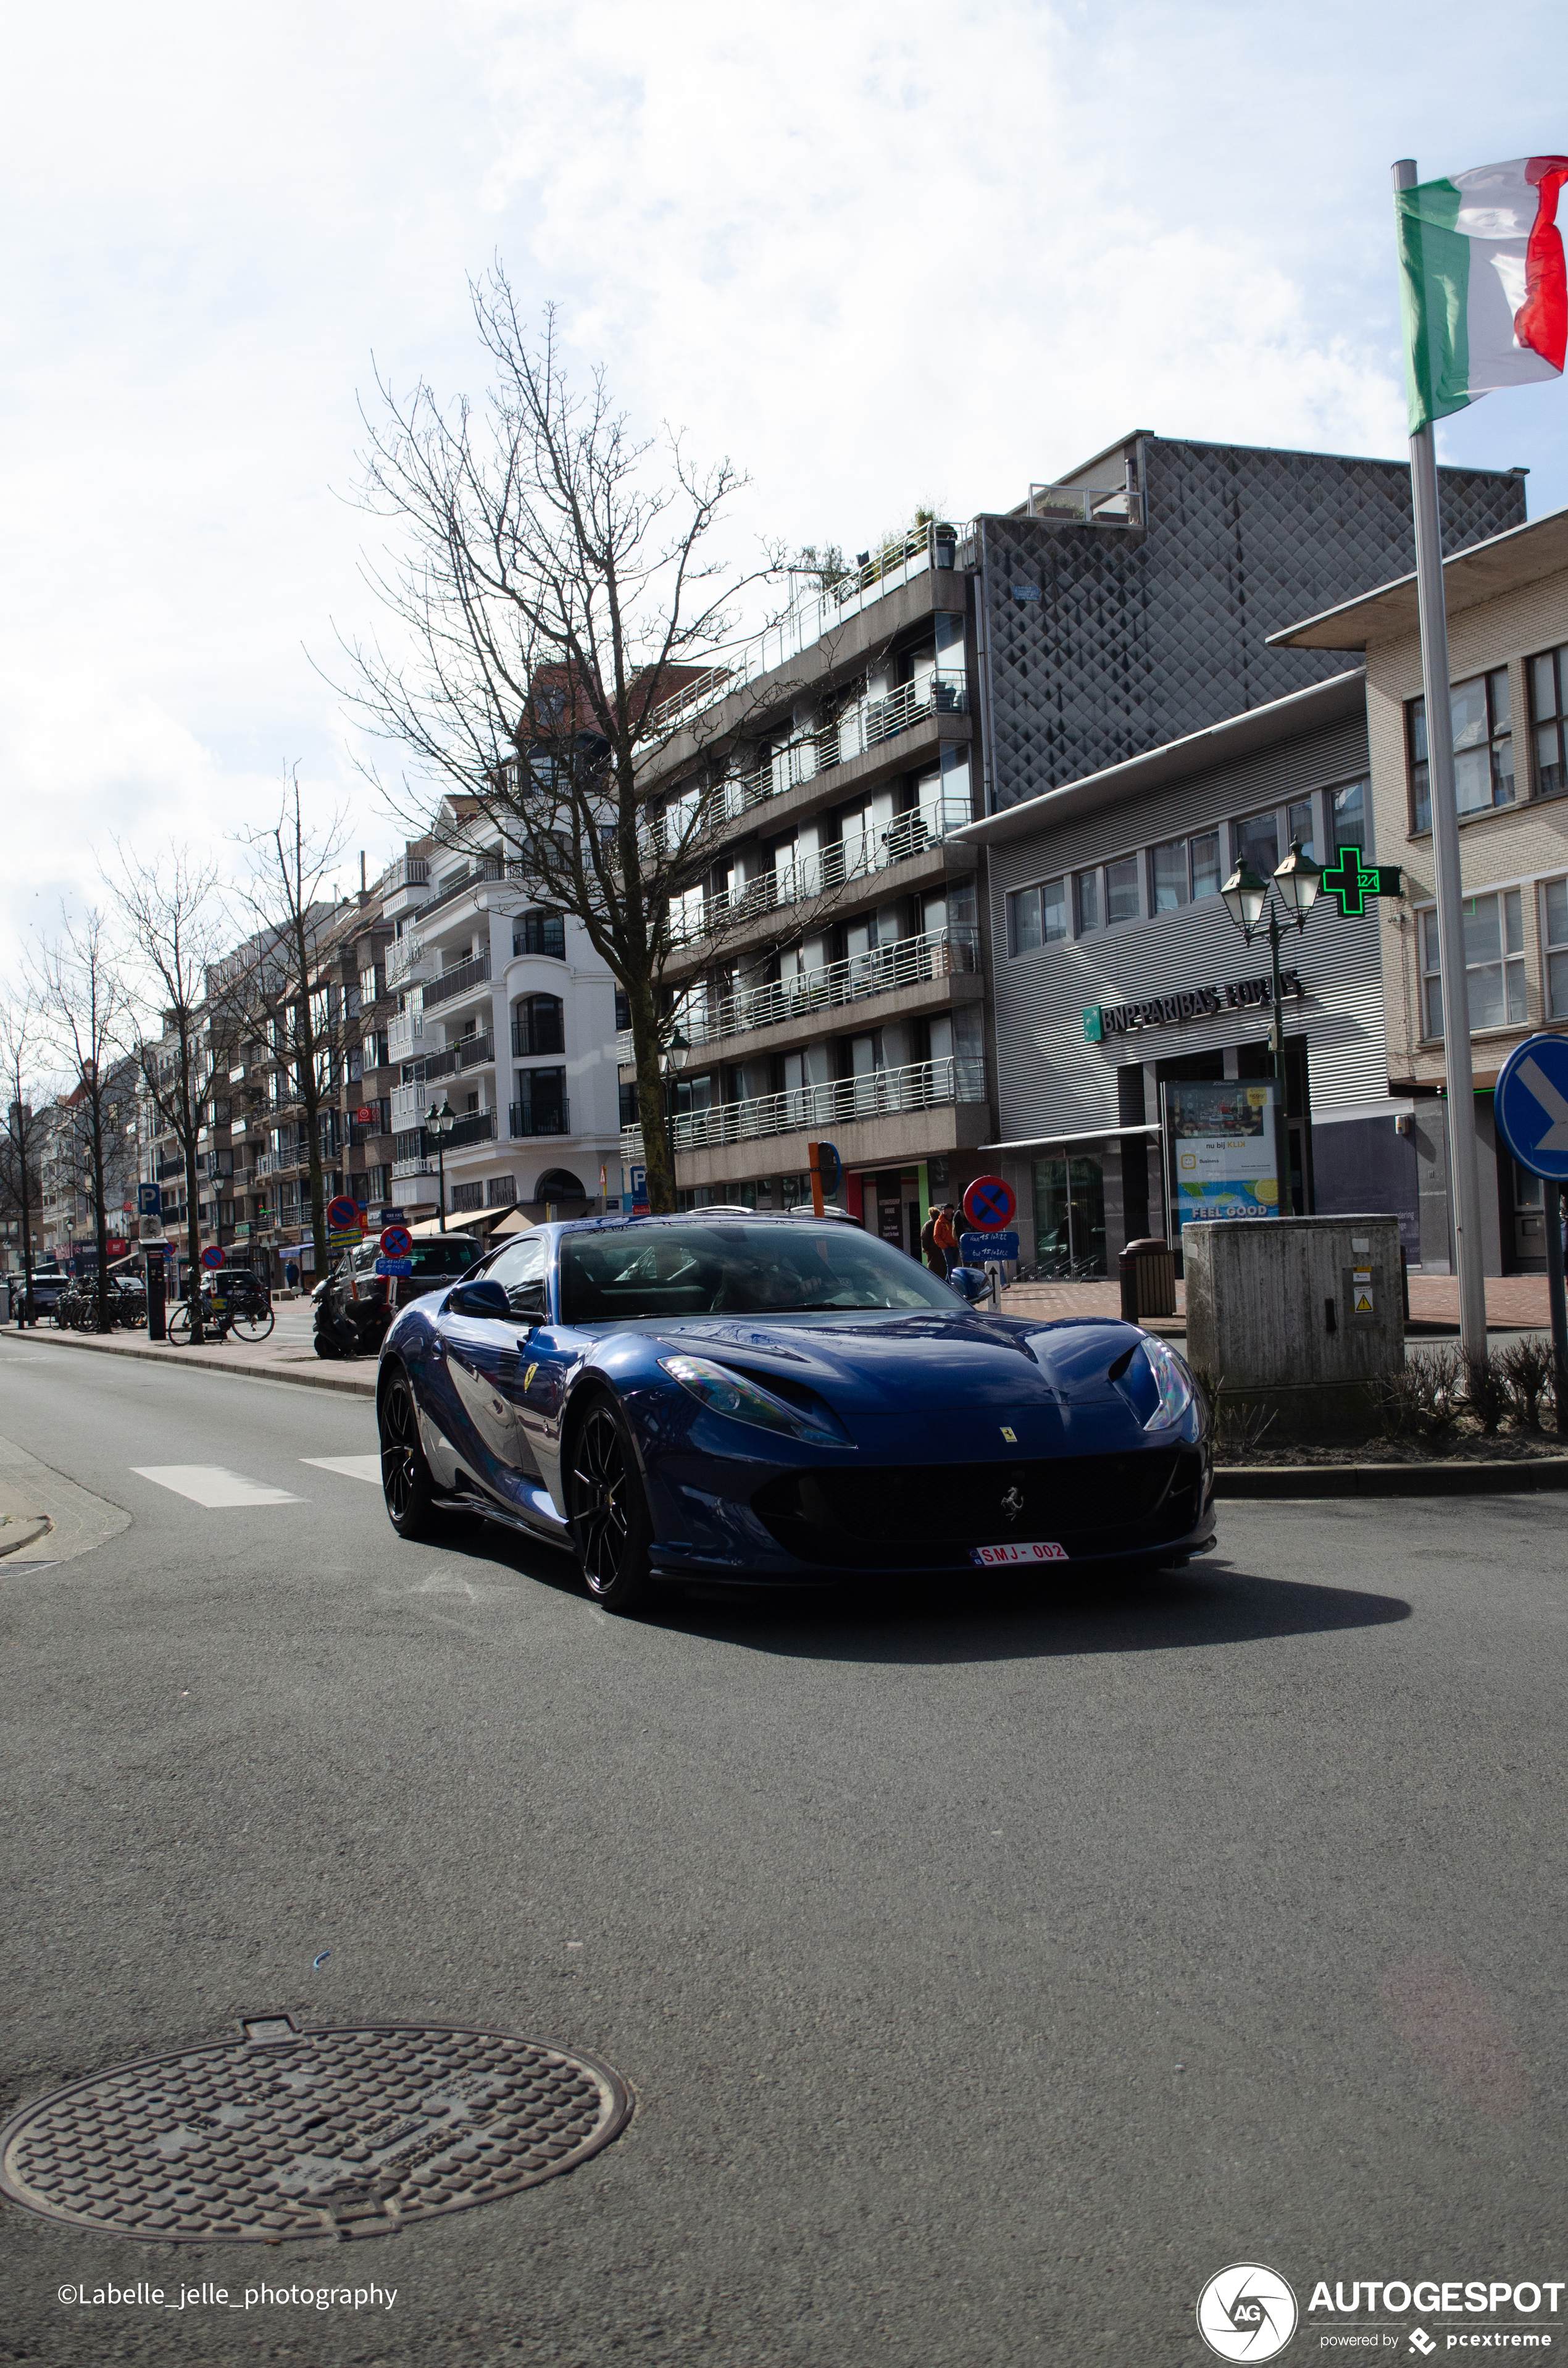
<point>468,1052</point>
<point>408,963</point>
<point>806,879</point>
<point>788,1008</point>
<point>465,982</point>
<point>810,1110</point>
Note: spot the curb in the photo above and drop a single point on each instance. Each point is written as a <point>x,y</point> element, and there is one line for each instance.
<point>1435,1479</point>
<point>302,1377</point>
<point>32,1527</point>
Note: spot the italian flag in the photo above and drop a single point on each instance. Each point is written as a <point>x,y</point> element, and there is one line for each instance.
<point>1481,283</point>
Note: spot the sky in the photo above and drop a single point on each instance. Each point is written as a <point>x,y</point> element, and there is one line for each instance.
<point>877,258</point>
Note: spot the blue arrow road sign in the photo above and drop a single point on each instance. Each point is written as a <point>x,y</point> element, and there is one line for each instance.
<point>1532,1106</point>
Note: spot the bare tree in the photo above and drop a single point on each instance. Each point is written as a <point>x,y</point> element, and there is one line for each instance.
<point>279,984</point>
<point>88,1013</point>
<point>20,1184</point>
<point>552,601</point>
<point>170,916</point>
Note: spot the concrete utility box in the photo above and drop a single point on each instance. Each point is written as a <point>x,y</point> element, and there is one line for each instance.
<point>1300,1310</point>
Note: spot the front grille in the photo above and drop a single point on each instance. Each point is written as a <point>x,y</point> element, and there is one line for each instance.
<point>902,1516</point>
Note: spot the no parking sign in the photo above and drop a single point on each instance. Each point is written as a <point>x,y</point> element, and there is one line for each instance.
<point>989,1203</point>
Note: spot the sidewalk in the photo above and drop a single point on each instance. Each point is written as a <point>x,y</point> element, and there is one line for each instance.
<point>1515,1302</point>
<point>286,1355</point>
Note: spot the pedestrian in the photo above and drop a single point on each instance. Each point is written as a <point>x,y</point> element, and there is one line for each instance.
<point>928,1250</point>
<point>944,1235</point>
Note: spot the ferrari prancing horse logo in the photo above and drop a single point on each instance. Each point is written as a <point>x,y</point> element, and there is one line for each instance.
<point>1013,1503</point>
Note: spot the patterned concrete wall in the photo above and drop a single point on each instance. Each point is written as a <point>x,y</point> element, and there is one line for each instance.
<point>1137,636</point>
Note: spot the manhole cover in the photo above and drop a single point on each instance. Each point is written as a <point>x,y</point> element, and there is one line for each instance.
<point>284,2132</point>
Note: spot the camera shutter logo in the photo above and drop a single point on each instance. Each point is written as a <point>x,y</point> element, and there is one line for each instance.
<point>1247,2312</point>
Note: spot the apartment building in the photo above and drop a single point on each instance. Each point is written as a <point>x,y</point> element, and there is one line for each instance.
<point>830,974</point>
<point>1508,604</point>
<point>501,1012</point>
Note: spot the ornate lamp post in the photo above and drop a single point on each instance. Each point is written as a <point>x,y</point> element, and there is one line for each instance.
<point>676,1051</point>
<point>1290,892</point>
<point>440,1123</point>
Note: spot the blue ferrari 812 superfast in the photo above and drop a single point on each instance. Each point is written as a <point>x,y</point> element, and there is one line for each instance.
<point>732,1399</point>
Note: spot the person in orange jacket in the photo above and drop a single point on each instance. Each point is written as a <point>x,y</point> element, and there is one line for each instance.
<point>944,1235</point>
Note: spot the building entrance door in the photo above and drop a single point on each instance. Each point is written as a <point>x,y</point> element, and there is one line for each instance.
<point>1069,1213</point>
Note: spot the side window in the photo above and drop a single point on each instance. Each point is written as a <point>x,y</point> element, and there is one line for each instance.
<point>519,1270</point>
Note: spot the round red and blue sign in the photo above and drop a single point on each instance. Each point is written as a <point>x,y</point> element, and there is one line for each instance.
<point>212,1258</point>
<point>397,1242</point>
<point>342,1214</point>
<point>989,1203</point>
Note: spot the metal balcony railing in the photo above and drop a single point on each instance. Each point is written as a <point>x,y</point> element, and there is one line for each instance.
<point>920,1085</point>
<point>940,953</point>
<point>554,1118</point>
<point>1086,504</point>
<point>812,613</point>
<point>458,981</point>
<point>532,1040</point>
<point>404,871</point>
<point>866,726</point>
<point>479,1126</point>
<point>404,957</point>
<point>468,1052</point>
<point>799,878</point>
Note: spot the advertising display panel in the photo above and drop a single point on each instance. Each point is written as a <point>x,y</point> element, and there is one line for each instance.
<point>1220,1149</point>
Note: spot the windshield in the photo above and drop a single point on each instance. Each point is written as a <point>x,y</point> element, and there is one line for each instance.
<point>454,1255</point>
<point>731,1269</point>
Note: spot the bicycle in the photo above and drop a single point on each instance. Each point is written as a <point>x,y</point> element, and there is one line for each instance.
<point>244,1311</point>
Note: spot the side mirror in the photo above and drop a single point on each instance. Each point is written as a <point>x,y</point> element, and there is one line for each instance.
<point>971,1282</point>
<point>481,1298</point>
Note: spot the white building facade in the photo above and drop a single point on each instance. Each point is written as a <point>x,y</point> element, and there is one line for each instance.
<point>507,1016</point>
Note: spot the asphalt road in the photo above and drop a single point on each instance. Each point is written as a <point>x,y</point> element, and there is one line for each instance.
<point>989,1969</point>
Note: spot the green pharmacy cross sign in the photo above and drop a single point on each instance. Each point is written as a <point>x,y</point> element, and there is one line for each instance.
<point>1350,881</point>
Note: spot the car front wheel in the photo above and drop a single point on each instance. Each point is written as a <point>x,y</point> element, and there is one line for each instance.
<point>406,1483</point>
<point>610,1526</point>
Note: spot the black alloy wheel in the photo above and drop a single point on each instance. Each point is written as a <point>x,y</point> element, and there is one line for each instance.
<point>406,1483</point>
<point>610,1526</point>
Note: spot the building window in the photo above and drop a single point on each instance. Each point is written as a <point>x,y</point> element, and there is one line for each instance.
<point>1086,902</point>
<point>1037,916</point>
<point>1494,961</point>
<point>1555,935</point>
<point>1207,879</point>
<point>1483,748</point>
<point>1121,902</point>
<point>1167,876</point>
<point>1549,713</point>
<point>540,933</point>
<point>1258,843</point>
<point>1348,817</point>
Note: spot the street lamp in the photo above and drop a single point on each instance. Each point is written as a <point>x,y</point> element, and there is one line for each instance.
<point>1292,889</point>
<point>675,1050</point>
<point>440,1123</point>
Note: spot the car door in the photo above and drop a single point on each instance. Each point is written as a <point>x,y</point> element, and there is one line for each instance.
<point>550,1353</point>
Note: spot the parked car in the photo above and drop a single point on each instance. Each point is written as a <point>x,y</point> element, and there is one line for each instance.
<point>49,1283</point>
<point>756,1398</point>
<point>352,1305</point>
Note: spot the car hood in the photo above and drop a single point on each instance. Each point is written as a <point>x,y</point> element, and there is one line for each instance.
<point>927,1363</point>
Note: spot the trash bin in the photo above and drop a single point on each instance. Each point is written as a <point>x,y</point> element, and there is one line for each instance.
<point>1147,1269</point>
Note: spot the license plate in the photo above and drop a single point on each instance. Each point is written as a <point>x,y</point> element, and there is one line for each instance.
<point>1018,1554</point>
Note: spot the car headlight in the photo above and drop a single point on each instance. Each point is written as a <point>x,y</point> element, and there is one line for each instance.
<point>1173,1383</point>
<point>730,1393</point>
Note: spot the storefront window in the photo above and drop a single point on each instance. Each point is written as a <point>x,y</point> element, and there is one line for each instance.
<point>1493,961</point>
<point>1555,931</point>
<point>1483,748</point>
<point>1069,1213</point>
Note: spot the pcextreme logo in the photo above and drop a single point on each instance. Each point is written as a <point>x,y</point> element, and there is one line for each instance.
<point>1247,2312</point>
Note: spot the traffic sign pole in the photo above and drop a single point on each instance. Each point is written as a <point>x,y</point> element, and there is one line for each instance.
<point>1559,1303</point>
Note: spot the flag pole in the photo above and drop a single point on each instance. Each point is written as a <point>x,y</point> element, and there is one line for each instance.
<point>1463,1164</point>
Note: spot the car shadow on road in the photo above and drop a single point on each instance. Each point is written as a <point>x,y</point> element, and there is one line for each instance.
<point>1208,1605</point>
